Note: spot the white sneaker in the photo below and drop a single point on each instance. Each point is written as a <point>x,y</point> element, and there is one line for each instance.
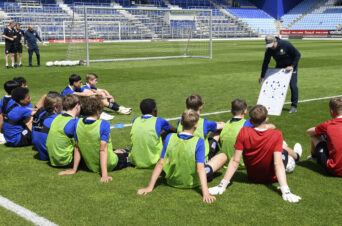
<point>105,116</point>
<point>124,111</point>
<point>2,139</point>
<point>298,149</point>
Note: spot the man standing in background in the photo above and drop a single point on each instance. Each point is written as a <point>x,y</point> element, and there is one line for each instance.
<point>18,44</point>
<point>31,45</point>
<point>9,36</point>
<point>287,57</point>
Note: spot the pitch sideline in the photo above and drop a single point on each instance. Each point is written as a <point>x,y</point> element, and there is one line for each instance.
<point>25,213</point>
<point>221,112</point>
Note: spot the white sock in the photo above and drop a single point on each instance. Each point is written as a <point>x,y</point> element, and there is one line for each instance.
<point>7,65</point>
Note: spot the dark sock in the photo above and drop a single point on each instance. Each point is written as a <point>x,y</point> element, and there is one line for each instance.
<point>298,157</point>
<point>114,106</point>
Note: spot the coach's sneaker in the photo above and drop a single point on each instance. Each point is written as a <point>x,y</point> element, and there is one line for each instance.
<point>124,111</point>
<point>105,116</point>
<point>298,150</point>
<point>293,110</point>
<point>2,139</point>
<point>20,65</point>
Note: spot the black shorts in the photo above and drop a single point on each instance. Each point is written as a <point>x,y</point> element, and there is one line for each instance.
<point>209,171</point>
<point>213,148</point>
<point>285,157</point>
<point>19,48</point>
<point>10,48</point>
<point>122,161</point>
<point>322,154</point>
<point>26,138</point>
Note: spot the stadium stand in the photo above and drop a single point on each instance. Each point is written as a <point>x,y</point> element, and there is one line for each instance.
<point>325,16</point>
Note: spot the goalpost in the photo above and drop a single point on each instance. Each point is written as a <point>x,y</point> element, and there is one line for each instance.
<point>121,34</point>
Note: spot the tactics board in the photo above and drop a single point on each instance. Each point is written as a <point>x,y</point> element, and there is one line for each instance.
<point>274,89</point>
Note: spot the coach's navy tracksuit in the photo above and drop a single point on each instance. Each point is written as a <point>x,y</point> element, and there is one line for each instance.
<point>31,40</point>
<point>285,55</point>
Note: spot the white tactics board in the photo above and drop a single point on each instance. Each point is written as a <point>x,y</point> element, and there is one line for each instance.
<point>274,89</point>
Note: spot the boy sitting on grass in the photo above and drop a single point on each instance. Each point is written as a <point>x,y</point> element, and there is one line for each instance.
<point>183,160</point>
<point>326,143</point>
<point>146,136</point>
<point>17,118</point>
<point>60,143</point>
<point>42,121</point>
<point>23,83</point>
<point>263,155</point>
<point>94,143</point>
<point>107,99</point>
<point>195,102</point>
<point>6,101</point>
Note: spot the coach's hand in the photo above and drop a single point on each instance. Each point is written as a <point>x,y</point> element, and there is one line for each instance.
<point>261,80</point>
<point>26,46</point>
<point>106,179</point>
<point>289,68</point>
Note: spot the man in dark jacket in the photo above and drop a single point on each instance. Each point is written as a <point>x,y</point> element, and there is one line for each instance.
<point>286,56</point>
<point>31,45</point>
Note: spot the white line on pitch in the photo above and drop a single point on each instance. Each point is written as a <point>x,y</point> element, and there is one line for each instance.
<point>221,112</point>
<point>25,213</point>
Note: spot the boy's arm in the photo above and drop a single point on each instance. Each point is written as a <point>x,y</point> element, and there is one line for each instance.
<point>173,129</point>
<point>156,172</point>
<point>281,176</point>
<point>220,125</point>
<point>232,167</point>
<point>311,132</point>
<point>103,161</point>
<point>203,179</point>
<point>1,122</point>
<point>77,159</point>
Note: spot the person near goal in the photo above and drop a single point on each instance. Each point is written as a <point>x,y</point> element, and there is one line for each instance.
<point>30,40</point>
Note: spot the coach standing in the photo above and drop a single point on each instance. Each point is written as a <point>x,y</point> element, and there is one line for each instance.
<point>31,45</point>
<point>18,44</point>
<point>286,56</point>
<point>9,36</point>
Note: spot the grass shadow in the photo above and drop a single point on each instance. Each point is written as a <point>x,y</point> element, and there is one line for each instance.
<point>314,167</point>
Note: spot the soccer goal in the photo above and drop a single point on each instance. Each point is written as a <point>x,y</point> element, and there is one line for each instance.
<point>101,34</point>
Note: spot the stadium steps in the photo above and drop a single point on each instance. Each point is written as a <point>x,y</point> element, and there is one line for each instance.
<point>306,13</point>
<point>30,4</point>
<point>234,19</point>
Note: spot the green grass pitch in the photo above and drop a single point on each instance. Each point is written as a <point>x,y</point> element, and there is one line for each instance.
<point>232,73</point>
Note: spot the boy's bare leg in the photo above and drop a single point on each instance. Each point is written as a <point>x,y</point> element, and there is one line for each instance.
<point>290,151</point>
<point>217,161</point>
<point>6,59</point>
<point>29,124</point>
<point>314,141</point>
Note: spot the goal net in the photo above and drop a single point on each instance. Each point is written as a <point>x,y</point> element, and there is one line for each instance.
<point>100,34</point>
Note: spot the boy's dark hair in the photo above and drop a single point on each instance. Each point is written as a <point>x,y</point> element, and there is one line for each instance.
<point>147,106</point>
<point>74,78</point>
<point>70,101</point>
<point>238,106</point>
<point>53,100</point>
<point>19,94</point>
<point>258,115</point>
<point>194,102</point>
<point>335,105</point>
<point>91,76</point>
<point>20,80</point>
<point>189,119</point>
<point>10,85</point>
<point>93,106</point>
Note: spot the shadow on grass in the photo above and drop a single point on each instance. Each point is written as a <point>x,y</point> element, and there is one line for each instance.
<point>314,167</point>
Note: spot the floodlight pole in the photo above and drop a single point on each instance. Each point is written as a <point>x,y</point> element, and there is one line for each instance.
<point>86,33</point>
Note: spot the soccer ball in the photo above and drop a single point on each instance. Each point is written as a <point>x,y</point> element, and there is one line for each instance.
<point>49,64</point>
<point>291,165</point>
<point>57,63</point>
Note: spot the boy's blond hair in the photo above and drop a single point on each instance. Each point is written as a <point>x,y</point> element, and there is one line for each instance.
<point>189,119</point>
<point>335,105</point>
<point>91,76</point>
<point>258,115</point>
<point>194,102</point>
<point>238,106</point>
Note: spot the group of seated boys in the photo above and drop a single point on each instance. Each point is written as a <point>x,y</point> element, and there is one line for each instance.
<point>67,130</point>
